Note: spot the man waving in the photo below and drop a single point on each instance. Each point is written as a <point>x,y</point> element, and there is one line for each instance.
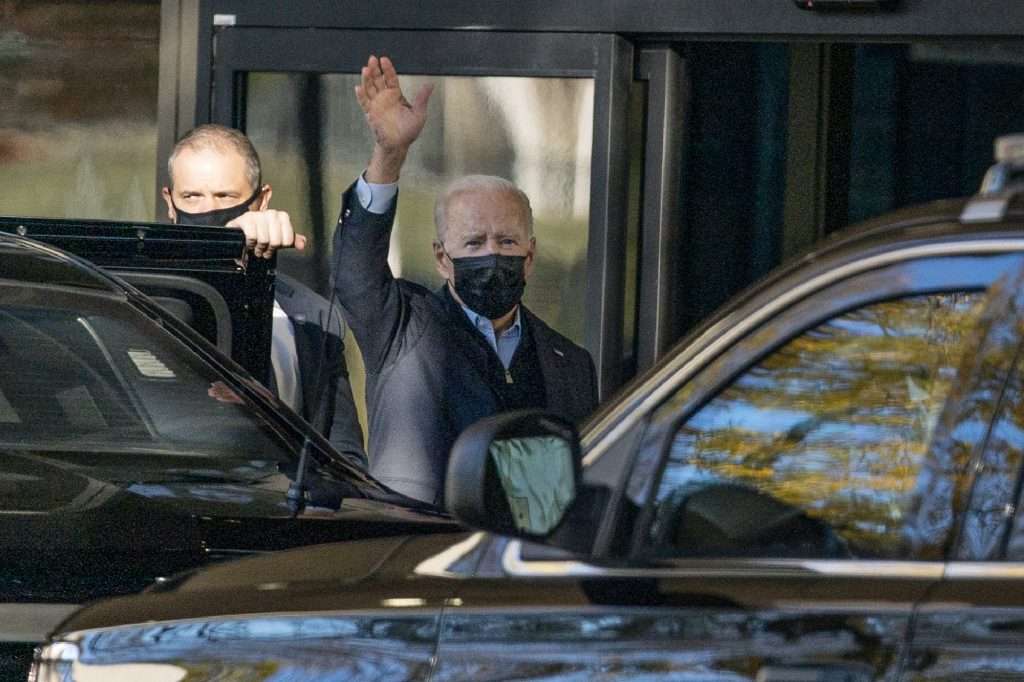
<point>437,361</point>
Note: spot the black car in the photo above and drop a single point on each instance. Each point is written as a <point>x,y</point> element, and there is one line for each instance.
<point>822,483</point>
<point>132,449</point>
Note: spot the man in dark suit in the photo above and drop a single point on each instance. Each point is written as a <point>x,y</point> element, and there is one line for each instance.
<point>215,180</point>
<point>437,361</point>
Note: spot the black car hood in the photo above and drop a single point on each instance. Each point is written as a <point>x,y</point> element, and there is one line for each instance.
<point>118,521</point>
<point>360,574</point>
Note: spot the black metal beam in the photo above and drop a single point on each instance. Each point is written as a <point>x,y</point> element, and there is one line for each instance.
<point>179,66</point>
<point>609,203</point>
<point>661,218</point>
<point>707,19</point>
<point>818,147</point>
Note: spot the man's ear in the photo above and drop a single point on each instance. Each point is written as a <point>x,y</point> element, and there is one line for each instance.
<point>530,253</point>
<point>171,213</point>
<point>442,262</point>
<point>263,199</point>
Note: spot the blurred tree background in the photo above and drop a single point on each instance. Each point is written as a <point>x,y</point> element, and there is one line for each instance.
<point>78,128</point>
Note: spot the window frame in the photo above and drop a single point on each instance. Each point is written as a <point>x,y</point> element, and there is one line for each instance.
<point>607,59</point>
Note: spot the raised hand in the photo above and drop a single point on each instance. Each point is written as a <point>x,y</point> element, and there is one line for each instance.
<point>394,122</point>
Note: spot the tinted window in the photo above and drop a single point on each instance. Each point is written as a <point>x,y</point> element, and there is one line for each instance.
<point>87,372</point>
<point>996,498</point>
<point>815,451</point>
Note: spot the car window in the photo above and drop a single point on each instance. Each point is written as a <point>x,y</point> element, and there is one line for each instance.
<point>89,372</point>
<point>991,501</point>
<point>994,523</point>
<point>816,450</point>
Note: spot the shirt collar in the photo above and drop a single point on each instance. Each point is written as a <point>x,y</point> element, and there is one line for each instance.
<point>485,325</point>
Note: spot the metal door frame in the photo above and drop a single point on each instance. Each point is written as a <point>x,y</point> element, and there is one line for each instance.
<point>607,59</point>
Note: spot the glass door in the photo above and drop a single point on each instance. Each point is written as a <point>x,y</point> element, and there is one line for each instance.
<point>546,110</point>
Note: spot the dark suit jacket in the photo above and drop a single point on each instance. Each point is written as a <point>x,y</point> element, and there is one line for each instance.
<point>425,380</point>
<point>321,366</point>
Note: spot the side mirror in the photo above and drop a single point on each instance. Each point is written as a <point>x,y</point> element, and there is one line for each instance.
<point>516,473</point>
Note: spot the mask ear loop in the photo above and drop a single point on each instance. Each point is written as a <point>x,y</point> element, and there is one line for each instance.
<point>451,282</point>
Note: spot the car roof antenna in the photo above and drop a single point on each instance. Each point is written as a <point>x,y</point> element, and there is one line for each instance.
<point>297,489</point>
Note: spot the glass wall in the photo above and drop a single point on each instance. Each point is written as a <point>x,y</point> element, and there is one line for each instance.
<point>78,130</point>
<point>313,142</point>
<point>734,180</point>
<point>925,117</point>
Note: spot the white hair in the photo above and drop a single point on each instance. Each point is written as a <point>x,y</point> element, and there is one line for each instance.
<point>482,184</point>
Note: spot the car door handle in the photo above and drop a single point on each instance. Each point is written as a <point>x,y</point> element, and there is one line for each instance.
<point>837,672</point>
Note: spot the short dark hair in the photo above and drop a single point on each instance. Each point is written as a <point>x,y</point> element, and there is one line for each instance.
<point>215,136</point>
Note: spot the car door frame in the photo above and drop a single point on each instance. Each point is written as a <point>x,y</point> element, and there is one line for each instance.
<point>210,263</point>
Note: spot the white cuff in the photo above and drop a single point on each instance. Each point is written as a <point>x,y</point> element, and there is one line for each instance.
<point>376,198</point>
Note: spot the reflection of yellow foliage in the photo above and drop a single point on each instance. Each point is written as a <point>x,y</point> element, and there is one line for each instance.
<point>838,421</point>
<point>234,672</point>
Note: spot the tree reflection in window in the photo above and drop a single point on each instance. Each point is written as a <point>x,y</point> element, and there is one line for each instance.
<point>835,423</point>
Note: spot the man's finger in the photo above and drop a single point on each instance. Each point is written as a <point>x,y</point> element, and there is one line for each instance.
<point>300,242</point>
<point>361,97</point>
<point>378,79</point>
<point>247,229</point>
<point>275,234</point>
<point>368,85</point>
<point>262,238</point>
<point>284,234</point>
<point>389,73</point>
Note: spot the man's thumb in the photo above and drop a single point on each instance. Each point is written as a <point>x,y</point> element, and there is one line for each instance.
<point>419,104</point>
<point>300,242</point>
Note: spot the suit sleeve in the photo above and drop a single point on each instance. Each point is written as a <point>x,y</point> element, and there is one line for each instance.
<point>368,293</point>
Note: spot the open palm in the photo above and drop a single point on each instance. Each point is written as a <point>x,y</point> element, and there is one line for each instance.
<point>395,122</point>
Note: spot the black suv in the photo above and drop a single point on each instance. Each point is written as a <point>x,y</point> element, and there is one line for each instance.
<point>822,483</point>
<point>130,447</point>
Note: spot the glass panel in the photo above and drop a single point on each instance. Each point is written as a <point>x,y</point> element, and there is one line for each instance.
<point>734,178</point>
<point>816,450</point>
<point>536,132</point>
<point>924,120</point>
<point>81,373</point>
<point>78,131</point>
<point>989,503</point>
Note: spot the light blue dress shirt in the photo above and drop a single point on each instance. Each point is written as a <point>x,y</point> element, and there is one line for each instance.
<point>504,345</point>
<point>378,198</point>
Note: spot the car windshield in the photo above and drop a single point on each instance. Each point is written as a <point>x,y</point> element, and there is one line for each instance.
<point>85,370</point>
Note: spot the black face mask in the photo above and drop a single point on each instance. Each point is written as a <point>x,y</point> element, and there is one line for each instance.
<point>217,217</point>
<point>490,285</point>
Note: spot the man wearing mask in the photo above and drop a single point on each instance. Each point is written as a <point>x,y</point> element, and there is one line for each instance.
<point>215,180</point>
<point>437,361</point>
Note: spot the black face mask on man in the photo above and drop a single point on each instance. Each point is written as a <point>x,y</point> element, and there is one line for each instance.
<point>490,285</point>
<point>216,218</point>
